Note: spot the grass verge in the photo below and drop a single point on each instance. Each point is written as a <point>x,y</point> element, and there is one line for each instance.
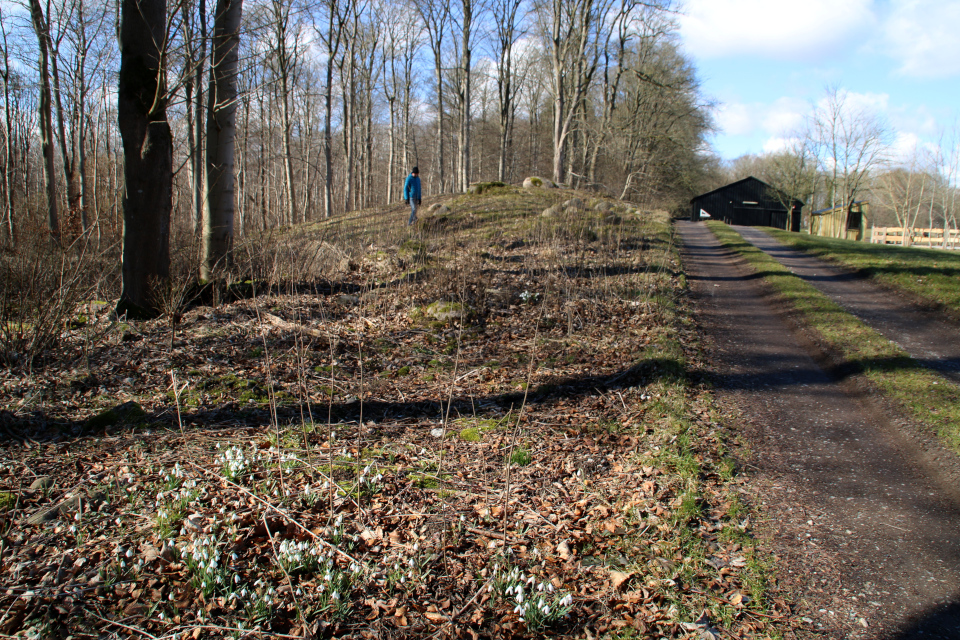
<point>924,395</point>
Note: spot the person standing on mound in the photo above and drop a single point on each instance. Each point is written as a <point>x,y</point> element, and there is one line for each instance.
<point>411,193</point>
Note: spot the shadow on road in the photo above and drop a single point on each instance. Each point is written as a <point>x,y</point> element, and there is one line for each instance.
<point>939,623</point>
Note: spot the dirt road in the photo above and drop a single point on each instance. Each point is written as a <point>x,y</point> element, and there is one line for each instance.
<point>866,530</point>
<point>928,337</point>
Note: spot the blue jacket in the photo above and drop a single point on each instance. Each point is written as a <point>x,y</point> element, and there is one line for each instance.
<point>411,188</point>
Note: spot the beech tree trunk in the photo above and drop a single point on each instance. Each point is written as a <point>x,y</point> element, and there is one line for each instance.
<point>148,154</point>
<point>46,120</point>
<point>8,154</point>
<point>219,203</point>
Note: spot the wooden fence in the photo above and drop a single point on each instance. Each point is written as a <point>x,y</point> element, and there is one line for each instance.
<point>932,238</point>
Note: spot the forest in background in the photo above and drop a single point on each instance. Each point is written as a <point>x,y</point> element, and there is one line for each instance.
<point>336,101</point>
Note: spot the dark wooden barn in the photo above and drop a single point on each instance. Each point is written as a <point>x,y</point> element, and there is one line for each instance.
<point>748,202</point>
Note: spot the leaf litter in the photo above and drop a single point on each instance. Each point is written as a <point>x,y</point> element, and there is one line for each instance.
<point>338,463</point>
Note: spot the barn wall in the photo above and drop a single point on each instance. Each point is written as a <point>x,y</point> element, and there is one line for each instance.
<point>728,204</point>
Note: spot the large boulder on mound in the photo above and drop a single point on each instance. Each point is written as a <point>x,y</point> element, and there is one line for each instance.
<point>438,209</point>
<point>532,182</point>
<point>479,187</point>
<point>604,206</point>
<point>551,212</point>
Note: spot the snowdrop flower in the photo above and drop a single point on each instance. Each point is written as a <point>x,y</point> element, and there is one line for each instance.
<point>129,553</point>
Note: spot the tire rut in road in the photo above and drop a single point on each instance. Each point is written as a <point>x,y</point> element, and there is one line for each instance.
<point>864,531</point>
<point>927,336</point>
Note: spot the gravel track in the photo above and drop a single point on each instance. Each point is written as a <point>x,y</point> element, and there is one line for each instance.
<point>929,337</point>
<point>865,524</point>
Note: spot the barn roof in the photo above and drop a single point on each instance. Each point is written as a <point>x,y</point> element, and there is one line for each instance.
<point>739,182</point>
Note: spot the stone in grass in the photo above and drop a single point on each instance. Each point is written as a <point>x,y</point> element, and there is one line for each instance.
<point>532,182</point>
<point>479,187</point>
<point>438,209</point>
<point>446,311</point>
<point>550,212</point>
<point>573,204</point>
<point>43,483</point>
<point>604,206</point>
<point>129,413</point>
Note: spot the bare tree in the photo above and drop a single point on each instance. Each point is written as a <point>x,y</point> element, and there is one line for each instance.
<point>906,190</point>
<point>948,166</point>
<point>284,59</point>
<point>332,37</point>
<point>218,211</point>
<point>849,142</point>
<point>8,154</point>
<point>464,22</point>
<point>41,29</point>
<point>147,153</point>
<point>195,44</point>
<point>507,30</point>
<point>436,19</point>
<point>573,30</point>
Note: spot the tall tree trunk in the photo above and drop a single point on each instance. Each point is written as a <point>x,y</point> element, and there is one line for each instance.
<point>328,138</point>
<point>464,138</point>
<point>80,121</point>
<point>287,124</point>
<point>218,210</point>
<point>349,102</point>
<point>198,159</point>
<point>335,26</point>
<point>67,155</point>
<point>440,163</point>
<point>46,120</point>
<point>9,158</point>
<point>148,154</point>
<point>391,157</point>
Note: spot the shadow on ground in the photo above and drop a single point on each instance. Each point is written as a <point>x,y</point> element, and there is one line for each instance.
<point>939,623</point>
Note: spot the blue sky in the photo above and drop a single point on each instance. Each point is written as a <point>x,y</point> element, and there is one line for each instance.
<point>767,62</point>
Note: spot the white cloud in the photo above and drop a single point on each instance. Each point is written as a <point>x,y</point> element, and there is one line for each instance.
<point>922,36</point>
<point>853,103</point>
<point>779,118</point>
<point>784,30</point>
<point>784,115</point>
<point>736,119</point>
<point>779,143</point>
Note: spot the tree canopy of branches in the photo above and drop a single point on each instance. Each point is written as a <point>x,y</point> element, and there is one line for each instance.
<point>305,109</point>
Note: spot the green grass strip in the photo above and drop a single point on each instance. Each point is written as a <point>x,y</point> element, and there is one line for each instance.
<point>929,398</point>
<point>932,275</point>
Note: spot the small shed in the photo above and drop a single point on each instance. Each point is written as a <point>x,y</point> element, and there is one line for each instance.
<point>841,222</point>
<point>749,202</point>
